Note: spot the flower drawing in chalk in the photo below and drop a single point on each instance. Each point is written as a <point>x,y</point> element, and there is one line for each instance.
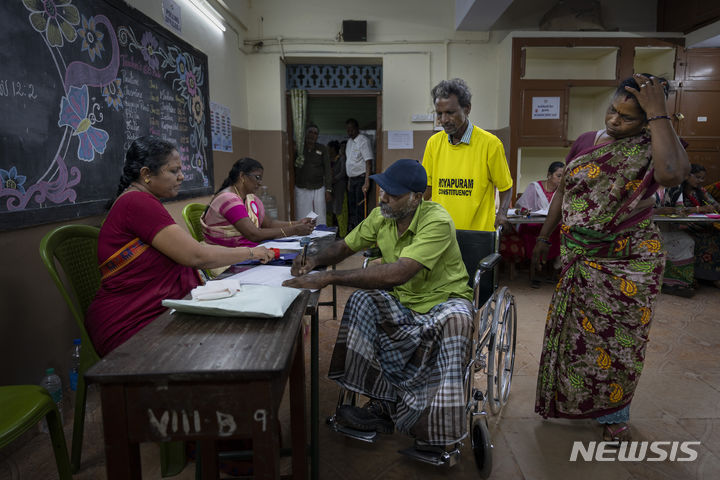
<point>113,94</point>
<point>197,108</point>
<point>198,162</point>
<point>55,18</point>
<point>191,83</point>
<point>91,38</point>
<point>74,113</point>
<point>11,180</point>
<point>181,66</point>
<point>149,50</point>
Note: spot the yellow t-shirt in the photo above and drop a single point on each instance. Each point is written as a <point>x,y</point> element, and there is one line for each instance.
<point>463,177</point>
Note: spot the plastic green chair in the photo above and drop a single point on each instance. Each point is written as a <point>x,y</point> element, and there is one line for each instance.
<point>74,249</point>
<point>22,407</point>
<point>192,213</point>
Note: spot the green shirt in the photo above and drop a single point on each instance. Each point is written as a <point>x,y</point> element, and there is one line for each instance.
<point>429,240</point>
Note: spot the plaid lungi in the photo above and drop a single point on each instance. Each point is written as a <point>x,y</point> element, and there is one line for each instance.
<point>413,361</point>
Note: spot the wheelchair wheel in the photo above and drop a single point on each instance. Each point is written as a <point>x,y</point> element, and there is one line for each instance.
<point>481,445</point>
<point>501,360</point>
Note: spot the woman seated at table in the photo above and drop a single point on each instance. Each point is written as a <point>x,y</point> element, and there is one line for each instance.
<point>690,198</point>
<point>537,196</point>
<point>236,217</point>
<point>144,255</point>
<point>679,275</point>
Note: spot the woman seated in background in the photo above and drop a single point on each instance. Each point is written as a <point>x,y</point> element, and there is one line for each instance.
<point>144,255</point>
<point>690,197</point>
<point>679,276</point>
<point>537,196</point>
<point>236,217</point>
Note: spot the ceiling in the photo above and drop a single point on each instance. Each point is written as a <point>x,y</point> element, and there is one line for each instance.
<point>616,15</point>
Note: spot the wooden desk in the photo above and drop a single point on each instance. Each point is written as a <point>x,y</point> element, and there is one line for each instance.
<point>202,378</point>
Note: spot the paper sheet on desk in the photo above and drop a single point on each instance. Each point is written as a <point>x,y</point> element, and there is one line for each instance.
<point>249,301</point>
<point>265,275</point>
<point>314,234</point>
<point>295,246</point>
<point>537,213</point>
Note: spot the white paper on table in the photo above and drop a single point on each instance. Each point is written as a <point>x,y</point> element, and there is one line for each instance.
<point>270,275</point>
<point>294,246</point>
<point>537,213</point>
<point>313,234</point>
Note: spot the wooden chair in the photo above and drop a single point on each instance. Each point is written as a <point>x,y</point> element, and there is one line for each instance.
<point>22,407</point>
<point>74,249</point>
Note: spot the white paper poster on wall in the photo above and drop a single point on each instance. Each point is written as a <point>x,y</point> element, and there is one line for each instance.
<point>220,127</point>
<point>400,139</point>
<point>172,13</point>
<point>545,108</point>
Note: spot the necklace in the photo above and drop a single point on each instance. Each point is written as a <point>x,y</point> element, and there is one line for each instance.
<point>236,191</point>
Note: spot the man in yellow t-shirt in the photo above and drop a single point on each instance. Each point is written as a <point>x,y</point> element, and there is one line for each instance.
<point>465,164</point>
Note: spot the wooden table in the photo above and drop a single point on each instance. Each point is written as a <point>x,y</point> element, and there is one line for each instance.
<point>202,378</point>
<point>516,220</point>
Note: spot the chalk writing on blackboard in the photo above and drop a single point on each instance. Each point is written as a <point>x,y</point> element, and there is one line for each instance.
<point>81,80</point>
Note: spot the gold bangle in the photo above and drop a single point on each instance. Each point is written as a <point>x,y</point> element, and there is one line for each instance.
<point>283,232</point>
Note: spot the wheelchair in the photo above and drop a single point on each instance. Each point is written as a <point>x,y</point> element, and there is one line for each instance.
<point>492,354</point>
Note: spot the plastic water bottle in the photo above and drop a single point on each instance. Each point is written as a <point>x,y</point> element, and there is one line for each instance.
<point>53,385</point>
<point>74,364</point>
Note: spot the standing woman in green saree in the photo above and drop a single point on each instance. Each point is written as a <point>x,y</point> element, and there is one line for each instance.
<point>600,314</point>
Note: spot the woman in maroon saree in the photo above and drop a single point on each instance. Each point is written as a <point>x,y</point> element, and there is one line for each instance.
<point>144,256</point>
<point>600,315</point>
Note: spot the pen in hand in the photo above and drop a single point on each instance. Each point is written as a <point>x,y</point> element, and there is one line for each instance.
<point>304,242</point>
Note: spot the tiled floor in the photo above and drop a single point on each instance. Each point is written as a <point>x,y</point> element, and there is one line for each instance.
<point>678,399</point>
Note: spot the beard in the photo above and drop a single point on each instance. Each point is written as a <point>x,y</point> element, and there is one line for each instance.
<point>400,212</point>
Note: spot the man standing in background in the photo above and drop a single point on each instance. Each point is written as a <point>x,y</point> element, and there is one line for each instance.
<point>358,165</point>
<point>465,164</point>
<point>313,177</point>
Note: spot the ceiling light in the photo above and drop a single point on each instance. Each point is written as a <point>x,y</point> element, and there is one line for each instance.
<point>208,12</point>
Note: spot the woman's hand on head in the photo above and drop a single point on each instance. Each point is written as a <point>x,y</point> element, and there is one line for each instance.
<point>262,254</point>
<point>650,95</point>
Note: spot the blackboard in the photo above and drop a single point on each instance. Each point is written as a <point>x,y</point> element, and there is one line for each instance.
<point>79,80</point>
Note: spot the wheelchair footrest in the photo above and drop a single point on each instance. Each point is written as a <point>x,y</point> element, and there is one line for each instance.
<point>370,437</point>
<point>438,458</point>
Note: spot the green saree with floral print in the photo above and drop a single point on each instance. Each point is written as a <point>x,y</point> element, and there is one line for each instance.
<point>600,314</point>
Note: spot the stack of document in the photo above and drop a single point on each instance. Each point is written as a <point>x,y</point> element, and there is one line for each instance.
<point>258,301</point>
<point>268,275</point>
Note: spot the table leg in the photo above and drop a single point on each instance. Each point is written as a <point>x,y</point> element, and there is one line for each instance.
<point>265,436</point>
<point>297,412</point>
<point>208,459</point>
<point>122,458</point>
<point>314,395</point>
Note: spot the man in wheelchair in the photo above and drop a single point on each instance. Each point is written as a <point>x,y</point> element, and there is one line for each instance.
<point>405,335</point>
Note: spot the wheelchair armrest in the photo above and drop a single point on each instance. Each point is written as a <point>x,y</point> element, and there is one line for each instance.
<point>371,254</point>
<point>489,262</point>
<point>485,265</point>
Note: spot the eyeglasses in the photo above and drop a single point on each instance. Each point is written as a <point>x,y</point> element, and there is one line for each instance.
<point>256,177</point>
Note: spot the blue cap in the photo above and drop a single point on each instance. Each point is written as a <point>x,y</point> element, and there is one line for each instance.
<point>403,176</point>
